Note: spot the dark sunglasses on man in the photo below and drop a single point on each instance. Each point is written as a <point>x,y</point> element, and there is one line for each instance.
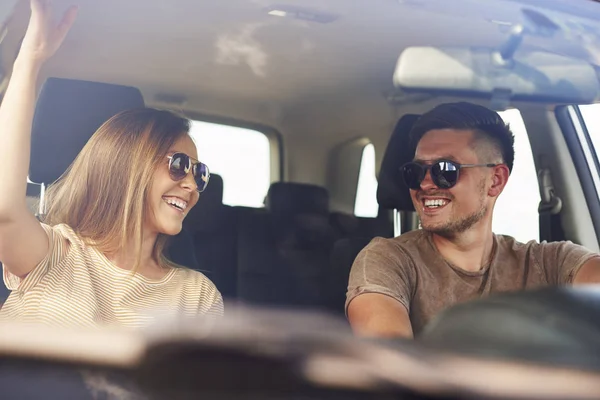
<point>444,173</point>
<point>180,165</point>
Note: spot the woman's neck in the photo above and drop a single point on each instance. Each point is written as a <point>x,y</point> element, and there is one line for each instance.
<point>126,257</point>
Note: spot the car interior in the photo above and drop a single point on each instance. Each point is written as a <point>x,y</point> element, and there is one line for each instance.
<point>304,109</point>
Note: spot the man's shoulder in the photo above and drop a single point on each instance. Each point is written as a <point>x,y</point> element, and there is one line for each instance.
<point>508,244</point>
<point>508,241</point>
<point>559,259</point>
<point>408,239</point>
<point>407,244</point>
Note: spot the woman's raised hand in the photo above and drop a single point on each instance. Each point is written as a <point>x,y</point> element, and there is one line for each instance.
<point>44,36</point>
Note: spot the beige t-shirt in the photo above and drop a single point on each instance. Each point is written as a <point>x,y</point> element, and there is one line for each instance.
<point>410,269</point>
<point>77,285</point>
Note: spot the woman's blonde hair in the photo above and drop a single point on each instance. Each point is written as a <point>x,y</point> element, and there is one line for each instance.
<point>103,194</point>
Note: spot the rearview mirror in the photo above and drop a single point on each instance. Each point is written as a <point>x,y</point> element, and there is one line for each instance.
<point>528,76</point>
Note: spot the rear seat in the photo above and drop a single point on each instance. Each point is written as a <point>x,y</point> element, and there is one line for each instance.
<point>392,193</point>
<point>283,251</point>
<point>289,254</point>
<point>351,226</point>
<point>213,227</point>
<point>357,232</point>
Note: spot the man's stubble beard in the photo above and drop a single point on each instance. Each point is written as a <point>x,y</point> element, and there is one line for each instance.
<point>451,229</point>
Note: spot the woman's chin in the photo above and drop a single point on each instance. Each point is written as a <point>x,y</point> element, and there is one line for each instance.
<point>173,232</point>
<point>171,228</point>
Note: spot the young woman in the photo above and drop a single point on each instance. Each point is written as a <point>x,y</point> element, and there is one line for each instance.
<point>98,257</point>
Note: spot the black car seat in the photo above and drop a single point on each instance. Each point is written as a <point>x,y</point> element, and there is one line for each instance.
<point>284,250</point>
<point>392,194</point>
<point>213,227</point>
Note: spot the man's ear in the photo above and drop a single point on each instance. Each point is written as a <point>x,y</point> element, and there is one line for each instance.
<point>499,180</point>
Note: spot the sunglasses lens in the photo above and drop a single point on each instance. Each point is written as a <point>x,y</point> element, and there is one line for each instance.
<point>444,174</point>
<point>201,176</point>
<point>413,174</point>
<point>179,166</point>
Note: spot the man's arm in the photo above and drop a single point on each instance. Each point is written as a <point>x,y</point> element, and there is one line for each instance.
<point>378,315</point>
<point>380,290</point>
<point>589,272</point>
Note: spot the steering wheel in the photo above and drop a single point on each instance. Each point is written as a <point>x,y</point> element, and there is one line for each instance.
<point>557,326</point>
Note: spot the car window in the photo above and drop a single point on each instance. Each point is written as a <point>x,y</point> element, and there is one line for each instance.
<point>516,212</point>
<point>240,155</point>
<point>366,191</point>
<point>591,116</point>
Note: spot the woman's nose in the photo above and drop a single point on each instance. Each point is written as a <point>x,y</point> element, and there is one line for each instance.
<point>189,183</point>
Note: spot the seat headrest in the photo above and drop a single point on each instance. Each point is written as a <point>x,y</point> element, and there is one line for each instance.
<point>206,215</point>
<point>392,192</point>
<point>289,199</point>
<point>67,114</point>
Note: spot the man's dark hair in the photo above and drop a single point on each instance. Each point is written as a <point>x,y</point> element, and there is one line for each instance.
<point>472,117</point>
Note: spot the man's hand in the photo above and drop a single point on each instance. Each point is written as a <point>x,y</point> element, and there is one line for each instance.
<point>589,272</point>
<point>378,315</point>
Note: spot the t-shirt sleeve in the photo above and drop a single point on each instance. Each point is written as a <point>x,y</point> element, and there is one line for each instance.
<point>562,260</point>
<point>217,308</point>
<point>382,267</point>
<point>57,250</point>
<point>211,301</point>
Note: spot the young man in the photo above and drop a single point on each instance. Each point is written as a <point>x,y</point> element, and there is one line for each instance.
<point>464,156</point>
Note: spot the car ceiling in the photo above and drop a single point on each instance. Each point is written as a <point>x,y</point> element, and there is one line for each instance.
<point>232,58</point>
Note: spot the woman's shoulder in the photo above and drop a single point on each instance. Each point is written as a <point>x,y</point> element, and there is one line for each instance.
<point>193,278</point>
<point>198,286</point>
<point>63,231</point>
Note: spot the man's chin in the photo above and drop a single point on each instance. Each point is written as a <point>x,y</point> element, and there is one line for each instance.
<point>432,223</point>
<point>437,225</point>
<point>438,229</point>
<point>450,229</point>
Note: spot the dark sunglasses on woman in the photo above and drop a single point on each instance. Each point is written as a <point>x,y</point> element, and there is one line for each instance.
<point>180,165</point>
<point>444,173</point>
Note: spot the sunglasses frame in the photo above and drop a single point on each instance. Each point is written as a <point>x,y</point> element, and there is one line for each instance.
<point>434,178</point>
<point>192,162</point>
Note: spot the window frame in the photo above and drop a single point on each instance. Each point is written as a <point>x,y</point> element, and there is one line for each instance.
<point>589,149</point>
<point>573,128</point>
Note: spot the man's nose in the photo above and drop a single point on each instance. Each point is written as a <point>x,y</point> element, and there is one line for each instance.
<point>427,182</point>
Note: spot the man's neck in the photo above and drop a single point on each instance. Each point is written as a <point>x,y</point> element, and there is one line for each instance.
<point>470,250</point>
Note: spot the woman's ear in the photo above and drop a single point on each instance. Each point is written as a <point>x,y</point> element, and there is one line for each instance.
<point>499,180</point>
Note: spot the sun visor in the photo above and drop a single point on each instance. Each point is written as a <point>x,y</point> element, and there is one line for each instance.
<point>535,76</point>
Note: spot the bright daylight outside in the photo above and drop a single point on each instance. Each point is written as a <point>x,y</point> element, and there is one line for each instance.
<point>240,156</point>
